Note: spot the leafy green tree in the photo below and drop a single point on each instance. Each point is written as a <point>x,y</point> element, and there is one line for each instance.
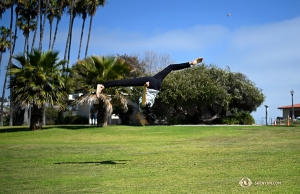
<point>89,72</point>
<point>38,80</point>
<point>205,93</point>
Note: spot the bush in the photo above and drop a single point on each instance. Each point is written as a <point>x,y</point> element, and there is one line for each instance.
<point>51,116</point>
<point>242,118</point>
<point>75,120</point>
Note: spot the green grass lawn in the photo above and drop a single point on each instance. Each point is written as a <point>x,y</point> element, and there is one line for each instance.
<point>152,159</point>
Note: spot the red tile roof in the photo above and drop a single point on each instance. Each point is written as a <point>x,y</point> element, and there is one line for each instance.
<point>289,106</point>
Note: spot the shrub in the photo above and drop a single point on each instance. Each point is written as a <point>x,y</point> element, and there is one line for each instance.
<point>75,120</point>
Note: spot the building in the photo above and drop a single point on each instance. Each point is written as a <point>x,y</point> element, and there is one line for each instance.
<point>287,110</point>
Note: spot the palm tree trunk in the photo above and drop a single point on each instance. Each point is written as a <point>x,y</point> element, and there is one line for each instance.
<point>9,65</point>
<point>43,27</point>
<point>50,38</point>
<point>88,40</point>
<point>37,23</point>
<point>70,29</point>
<point>2,100</point>
<point>15,34</point>
<point>54,37</point>
<point>36,118</point>
<point>70,42</point>
<point>82,29</point>
<point>26,121</point>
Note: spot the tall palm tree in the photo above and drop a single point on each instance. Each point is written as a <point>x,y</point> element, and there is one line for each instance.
<point>59,9</point>
<point>37,14</point>
<point>72,12</point>
<point>97,69</point>
<point>4,44</point>
<point>26,20</point>
<point>9,5</point>
<point>42,25</point>
<point>50,16</point>
<point>38,80</point>
<point>4,41</point>
<point>92,8</point>
<point>81,9</point>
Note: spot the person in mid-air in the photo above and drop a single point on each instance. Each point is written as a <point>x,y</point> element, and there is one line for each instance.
<point>152,87</point>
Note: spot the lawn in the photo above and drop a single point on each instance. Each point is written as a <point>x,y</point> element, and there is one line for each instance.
<point>152,159</point>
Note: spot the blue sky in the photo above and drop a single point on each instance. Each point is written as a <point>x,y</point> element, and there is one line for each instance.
<point>260,39</point>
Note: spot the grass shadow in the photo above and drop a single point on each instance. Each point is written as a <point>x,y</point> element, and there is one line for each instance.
<point>14,129</point>
<point>110,162</point>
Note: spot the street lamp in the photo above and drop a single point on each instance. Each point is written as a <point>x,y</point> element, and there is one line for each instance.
<point>292,93</point>
<point>266,114</point>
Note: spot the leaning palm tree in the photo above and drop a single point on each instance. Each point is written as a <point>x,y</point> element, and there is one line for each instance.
<point>81,9</point>
<point>4,45</point>
<point>37,81</point>
<point>87,73</point>
<point>92,8</point>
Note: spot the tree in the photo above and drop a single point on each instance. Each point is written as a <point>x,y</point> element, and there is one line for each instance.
<point>9,5</point>
<point>50,15</point>
<point>87,73</point>
<point>38,80</point>
<point>205,93</point>
<point>26,20</point>
<point>59,9</point>
<point>92,8</point>
<point>81,9</point>
<point>4,44</point>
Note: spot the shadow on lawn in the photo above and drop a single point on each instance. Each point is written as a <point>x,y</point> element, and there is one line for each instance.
<point>9,129</point>
<point>111,162</point>
<point>14,129</point>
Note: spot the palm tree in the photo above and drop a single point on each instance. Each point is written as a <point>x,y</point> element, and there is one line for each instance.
<point>50,16</point>
<point>59,9</point>
<point>26,21</point>
<point>97,69</point>
<point>9,5</point>
<point>92,8</point>
<point>38,13</point>
<point>42,25</point>
<point>81,9</point>
<point>37,80</point>
<point>4,44</point>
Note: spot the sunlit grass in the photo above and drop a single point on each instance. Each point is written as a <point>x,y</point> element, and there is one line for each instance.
<point>152,159</point>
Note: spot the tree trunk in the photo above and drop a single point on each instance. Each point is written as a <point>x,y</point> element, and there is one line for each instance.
<point>82,29</point>
<point>102,120</point>
<point>43,26</point>
<point>44,115</point>
<point>104,111</point>
<point>50,36</point>
<point>9,65</point>
<point>55,32</point>
<point>36,118</point>
<point>2,100</point>
<point>26,121</point>
<point>89,35</point>
<point>36,27</point>
<point>69,33</point>
<point>70,42</point>
<point>36,123</point>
